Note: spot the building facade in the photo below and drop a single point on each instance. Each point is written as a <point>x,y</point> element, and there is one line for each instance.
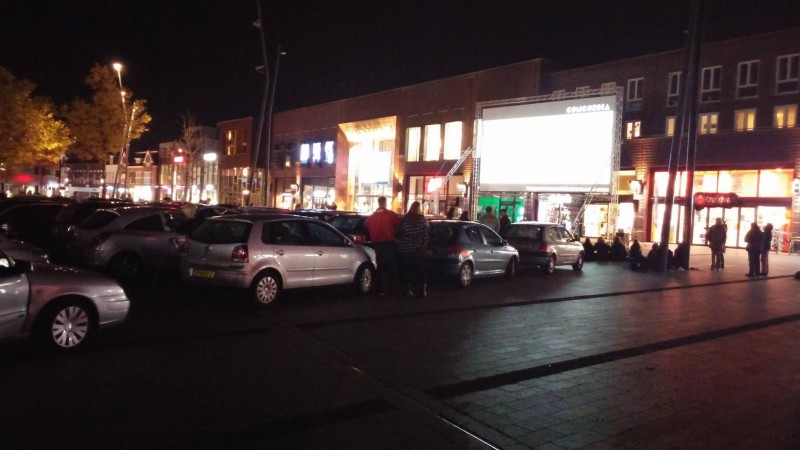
<point>404,142</point>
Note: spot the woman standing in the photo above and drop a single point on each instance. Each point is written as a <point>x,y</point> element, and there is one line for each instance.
<point>411,241</point>
<point>765,249</point>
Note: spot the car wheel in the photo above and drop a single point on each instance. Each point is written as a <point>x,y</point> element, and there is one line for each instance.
<point>66,325</point>
<point>465,275</point>
<point>578,263</point>
<point>550,266</point>
<point>365,279</point>
<point>266,287</point>
<point>124,267</point>
<point>511,269</point>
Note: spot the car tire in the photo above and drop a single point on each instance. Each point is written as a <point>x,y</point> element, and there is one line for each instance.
<point>266,287</point>
<point>465,274</point>
<point>578,263</point>
<point>550,266</point>
<point>511,269</point>
<point>124,267</point>
<point>66,325</point>
<point>364,282</point>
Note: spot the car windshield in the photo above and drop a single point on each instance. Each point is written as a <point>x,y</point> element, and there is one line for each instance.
<point>524,232</point>
<point>98,219</point>
<point>222,232</point>
<point>443,234</point>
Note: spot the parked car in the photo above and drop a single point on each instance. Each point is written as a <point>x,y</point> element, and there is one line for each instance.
<point>467,250</point>
<point>353,226</point>
<point>267,253</point>
<point>6,203</point>
<point>23,250</point>
<point>32,222</point>
<point>545,244</point>
<point>72,215</point>
<point>62,306</point>
<point>126,242</point>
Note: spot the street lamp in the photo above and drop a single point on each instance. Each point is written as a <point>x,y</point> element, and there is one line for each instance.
<point>125,129</point>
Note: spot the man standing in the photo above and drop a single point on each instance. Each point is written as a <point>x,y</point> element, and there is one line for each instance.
<point>765,249</point>
<point>715,238</point>
<point>504,220</point>
<point>490,220</point>
<point>382,225</point>
<point>754,239</point>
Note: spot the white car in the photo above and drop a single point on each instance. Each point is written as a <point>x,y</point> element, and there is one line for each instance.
<point>267,253</point>
<point>62,306</point>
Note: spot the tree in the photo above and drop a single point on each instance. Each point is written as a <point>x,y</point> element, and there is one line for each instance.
<point>192,142</point>
<point>29,132</point>
<point>108,123</point>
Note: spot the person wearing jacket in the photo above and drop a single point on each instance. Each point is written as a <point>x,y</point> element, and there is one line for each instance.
<point>765,249</point>
<point>755,241</point>
<point>412,238</point>
<point>382,226</point>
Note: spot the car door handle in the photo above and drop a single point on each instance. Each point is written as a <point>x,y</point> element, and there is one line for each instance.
<point>279,252</point>
<point>320,252</point>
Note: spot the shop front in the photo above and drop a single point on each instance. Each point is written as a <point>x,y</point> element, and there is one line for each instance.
<point>371,162</point>
<point>763,196</point>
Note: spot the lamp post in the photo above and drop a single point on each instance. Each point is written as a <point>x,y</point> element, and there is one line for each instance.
<point>126,131</point>
<point>268,150</point>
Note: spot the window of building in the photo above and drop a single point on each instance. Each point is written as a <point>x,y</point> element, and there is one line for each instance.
<point>412,143</point>
<point>785,116</point>
<point>633,129</point>
<point>747,79</point>
<point>635,89</point>
<point>673,88</point>
<point>433,142</point>
<point>786,76</point>
<point>231,139</point>
<point>710,84</point>
<point>670,126</point>
<point>316,153</point>
<point>305,153</point>
<point>452,140</point>
<point>708,123</point>
<point>745,120</point>
<point>330,153</point>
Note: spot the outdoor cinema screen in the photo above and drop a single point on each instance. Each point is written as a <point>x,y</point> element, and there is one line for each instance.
<point>558,146</point>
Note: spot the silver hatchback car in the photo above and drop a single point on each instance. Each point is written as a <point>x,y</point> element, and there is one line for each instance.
<point>546,245</point>
<point>267,253</point>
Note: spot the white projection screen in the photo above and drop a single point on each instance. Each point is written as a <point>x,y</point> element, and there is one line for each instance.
<point>555,146</point>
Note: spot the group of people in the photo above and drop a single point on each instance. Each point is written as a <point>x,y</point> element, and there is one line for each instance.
<point>406,237</point>
<point>759,244</point>
<point>493,222</point>
<point>602,251</point>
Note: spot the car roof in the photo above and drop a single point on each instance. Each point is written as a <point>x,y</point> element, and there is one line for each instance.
<point>530,222</point>
<point>266,217</point>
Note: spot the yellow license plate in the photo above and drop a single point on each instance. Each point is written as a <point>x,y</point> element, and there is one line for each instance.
<point>203,274</point>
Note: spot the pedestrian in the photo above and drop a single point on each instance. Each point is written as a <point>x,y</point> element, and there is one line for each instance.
<point>464,216</point>
<point>490,220</point>
<point>451,213</point>
<point>715,239</point>
<point>602,251</point>
<point>765,249</point>
<point>618,251</point>
<point>504,221</point>
<point>588,250</point>
<point>755,241</point>
<point>412,239</point>
<point>382,226</point>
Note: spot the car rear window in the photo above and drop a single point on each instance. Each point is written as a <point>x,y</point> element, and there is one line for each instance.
<point>442,234</point>
<point>98,219</point>
<point>222,232</point>
<point>524,232</point>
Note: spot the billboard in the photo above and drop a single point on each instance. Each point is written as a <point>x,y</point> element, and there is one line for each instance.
<point>551,146</point>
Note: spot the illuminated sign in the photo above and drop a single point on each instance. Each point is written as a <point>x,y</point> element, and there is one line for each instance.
<point>588,108</point>
<point>716,200</point>
<point>178,159</point>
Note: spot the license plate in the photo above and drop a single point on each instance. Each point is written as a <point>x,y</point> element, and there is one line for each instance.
<point>203,274</point>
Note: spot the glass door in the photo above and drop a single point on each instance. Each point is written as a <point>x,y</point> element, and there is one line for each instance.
<point>747,216</point>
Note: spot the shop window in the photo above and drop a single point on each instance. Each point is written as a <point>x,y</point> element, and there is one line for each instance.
<point>670,126</point>
<point>741,182</point>
<point>673,88</point>
<point>785,116</point>
<point>747,80</point>
<point>329,153</point>
<point>412,143</point>
<point>452,140</point>
<point>710,84</point>
<point>787,74</point>
<point>433,142</point>
<point>745,120</point>
<point>708,123</point>
<point>775,183</point>
<point>633,129</point>
<point>305,153</point>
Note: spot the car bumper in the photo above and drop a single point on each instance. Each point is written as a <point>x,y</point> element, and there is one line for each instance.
<point>113,310</point>
<point>214,276</point>
<point>533,258</point>
<point>442,267</point>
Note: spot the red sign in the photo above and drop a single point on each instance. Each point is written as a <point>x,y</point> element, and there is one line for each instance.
<point>716,200</point>
<point>179,159</point>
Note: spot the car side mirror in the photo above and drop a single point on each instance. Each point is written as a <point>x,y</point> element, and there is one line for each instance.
<point>504,243</point>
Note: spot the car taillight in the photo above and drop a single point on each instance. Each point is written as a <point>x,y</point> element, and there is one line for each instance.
<point>358,238</point>
<point>543,248</point>
<point>240,254</point>
<point>99,238</point>
<point>455,249</point>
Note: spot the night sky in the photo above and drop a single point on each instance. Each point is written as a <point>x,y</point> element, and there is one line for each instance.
<point>199,56</point>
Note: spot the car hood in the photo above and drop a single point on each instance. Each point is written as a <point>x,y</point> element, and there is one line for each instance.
<point>55,273</point>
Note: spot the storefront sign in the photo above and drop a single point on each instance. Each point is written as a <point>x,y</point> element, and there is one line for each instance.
<point>716,200</point>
